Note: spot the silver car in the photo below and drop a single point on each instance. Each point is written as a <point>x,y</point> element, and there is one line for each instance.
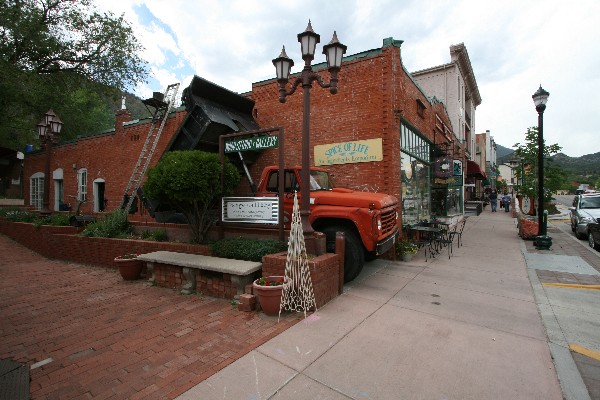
<point>585,210</point>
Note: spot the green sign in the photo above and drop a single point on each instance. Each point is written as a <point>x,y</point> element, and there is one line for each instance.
<point>251,144</point>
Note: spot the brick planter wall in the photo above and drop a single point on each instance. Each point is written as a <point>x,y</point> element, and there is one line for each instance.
<point>61,242</point>
<point>528,229</point>
<point>324,273</point>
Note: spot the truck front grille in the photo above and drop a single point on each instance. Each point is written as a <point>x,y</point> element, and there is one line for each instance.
<point>388,221</point>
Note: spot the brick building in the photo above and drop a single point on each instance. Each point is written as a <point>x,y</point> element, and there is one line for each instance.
<point>378,99</point>
<point>379,106</point>
<point>94,168</point>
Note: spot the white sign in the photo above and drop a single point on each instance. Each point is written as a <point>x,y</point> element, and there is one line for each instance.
<point>526,207</point>
<point>264,210</point>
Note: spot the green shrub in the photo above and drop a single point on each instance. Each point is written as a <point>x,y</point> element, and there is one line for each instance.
<point>246,249</point>
<point>18,215</point>
<point>158,235</point>
<point>57,220</point>
<point>113,225</point>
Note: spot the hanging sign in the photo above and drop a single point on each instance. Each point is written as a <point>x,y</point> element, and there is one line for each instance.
<point>458,167</point>
<point>349,152</point>
<point>442,167</point>
<point>252,143</point>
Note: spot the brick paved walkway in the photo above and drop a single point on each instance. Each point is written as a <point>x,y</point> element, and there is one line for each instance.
<point>108,338</point>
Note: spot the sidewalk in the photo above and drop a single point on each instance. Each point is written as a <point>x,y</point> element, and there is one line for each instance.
<point>464,328</point>
<point>482,325</point>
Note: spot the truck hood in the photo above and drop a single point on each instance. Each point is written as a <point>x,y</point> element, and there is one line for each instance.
<point>350,198</point>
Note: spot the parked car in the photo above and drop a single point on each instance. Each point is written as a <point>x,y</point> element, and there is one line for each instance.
<point>594,235</point>
<point>585,210</point>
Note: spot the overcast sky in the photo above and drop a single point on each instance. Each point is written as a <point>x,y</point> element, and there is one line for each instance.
<point>514,46</point>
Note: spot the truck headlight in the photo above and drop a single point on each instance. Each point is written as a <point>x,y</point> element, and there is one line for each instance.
<point>379,224</point>
<point>586,220</point>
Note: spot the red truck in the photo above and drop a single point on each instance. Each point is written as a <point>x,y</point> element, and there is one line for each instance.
<point>370,221</point>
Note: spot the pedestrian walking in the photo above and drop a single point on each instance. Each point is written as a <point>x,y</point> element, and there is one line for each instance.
<point>494,200</point>
<point>506,201</point>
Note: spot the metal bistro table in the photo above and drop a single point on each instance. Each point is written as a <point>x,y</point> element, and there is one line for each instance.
<point>425,236</point>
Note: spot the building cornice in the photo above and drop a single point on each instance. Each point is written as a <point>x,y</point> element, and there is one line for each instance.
<point>460,56</point>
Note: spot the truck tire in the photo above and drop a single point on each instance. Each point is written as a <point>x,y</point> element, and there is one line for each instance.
<point>354,256</point>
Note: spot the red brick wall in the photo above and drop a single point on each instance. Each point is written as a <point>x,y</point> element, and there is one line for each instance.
<point>60,242</point>
<point>375,93</point>
<point>110,156</point>
<point>324,273</point>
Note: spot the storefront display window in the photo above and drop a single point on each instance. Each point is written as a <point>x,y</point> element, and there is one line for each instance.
<point>446,200</point>
<point>415,170</point>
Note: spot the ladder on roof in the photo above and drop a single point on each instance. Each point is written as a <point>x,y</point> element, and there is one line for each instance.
<point>162,104</point>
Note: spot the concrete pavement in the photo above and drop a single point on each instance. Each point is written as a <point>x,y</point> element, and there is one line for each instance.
<point>465,328</point>
<point>485,324</point>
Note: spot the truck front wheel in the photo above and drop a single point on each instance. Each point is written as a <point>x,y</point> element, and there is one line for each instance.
<point>354,256</point>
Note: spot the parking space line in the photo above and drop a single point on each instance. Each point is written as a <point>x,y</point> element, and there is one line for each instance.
<point>572,286</point>
<point>585,351</point>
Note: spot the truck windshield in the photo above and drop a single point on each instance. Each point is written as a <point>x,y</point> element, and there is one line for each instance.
<point>320,180</point>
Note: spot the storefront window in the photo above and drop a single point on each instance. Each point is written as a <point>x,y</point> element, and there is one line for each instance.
<point>415,172</point>
<point>415,190</point>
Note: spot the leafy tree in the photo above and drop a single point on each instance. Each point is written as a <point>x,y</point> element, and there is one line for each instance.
<point>191,182</point>
<point>62,54</point>
<point>527,171</point>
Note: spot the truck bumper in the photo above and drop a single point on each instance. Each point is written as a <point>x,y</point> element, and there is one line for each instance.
<point>386,244</point>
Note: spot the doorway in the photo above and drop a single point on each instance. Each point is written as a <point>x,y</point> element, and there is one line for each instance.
<point>99,195</point>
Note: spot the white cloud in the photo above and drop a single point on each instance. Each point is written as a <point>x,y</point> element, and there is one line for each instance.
<point>514,46</point>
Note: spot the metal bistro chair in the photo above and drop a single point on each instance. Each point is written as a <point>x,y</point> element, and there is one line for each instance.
<point>459,232</point>
<point>447,239</point>
<point>423,240</point>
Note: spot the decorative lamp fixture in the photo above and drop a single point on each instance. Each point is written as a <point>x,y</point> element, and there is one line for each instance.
<point>540,98</point>
<point>308,43</point>
<point>542,241</point>
<point>41,130</point>
<point>48,130</point>
<point>283,65</point>
<point>334,52</point>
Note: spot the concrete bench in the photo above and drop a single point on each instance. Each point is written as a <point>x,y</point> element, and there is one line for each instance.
<point>241,272</point>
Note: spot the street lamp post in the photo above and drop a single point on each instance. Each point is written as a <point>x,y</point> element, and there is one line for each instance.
<point>283,65</point>
<point>540,98</point>
<point>48,130</point>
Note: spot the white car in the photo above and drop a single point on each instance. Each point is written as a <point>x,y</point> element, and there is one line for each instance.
<point>585,210</point>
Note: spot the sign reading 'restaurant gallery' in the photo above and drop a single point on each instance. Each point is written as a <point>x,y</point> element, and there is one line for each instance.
<point>349,152</point>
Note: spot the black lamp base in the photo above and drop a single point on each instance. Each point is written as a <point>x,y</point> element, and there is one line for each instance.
<point>543,242</point>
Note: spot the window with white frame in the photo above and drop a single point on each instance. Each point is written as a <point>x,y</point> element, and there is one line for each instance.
<point>82,184</point>
<point>36,192</point>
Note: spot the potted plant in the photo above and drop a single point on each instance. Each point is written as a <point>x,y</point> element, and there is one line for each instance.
<point>129,266</point>
<point>268,290</point>
<point>406,248</point>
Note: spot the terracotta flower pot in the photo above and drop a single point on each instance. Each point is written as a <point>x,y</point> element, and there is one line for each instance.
<point>129,268</point>
<point>269,297</point>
